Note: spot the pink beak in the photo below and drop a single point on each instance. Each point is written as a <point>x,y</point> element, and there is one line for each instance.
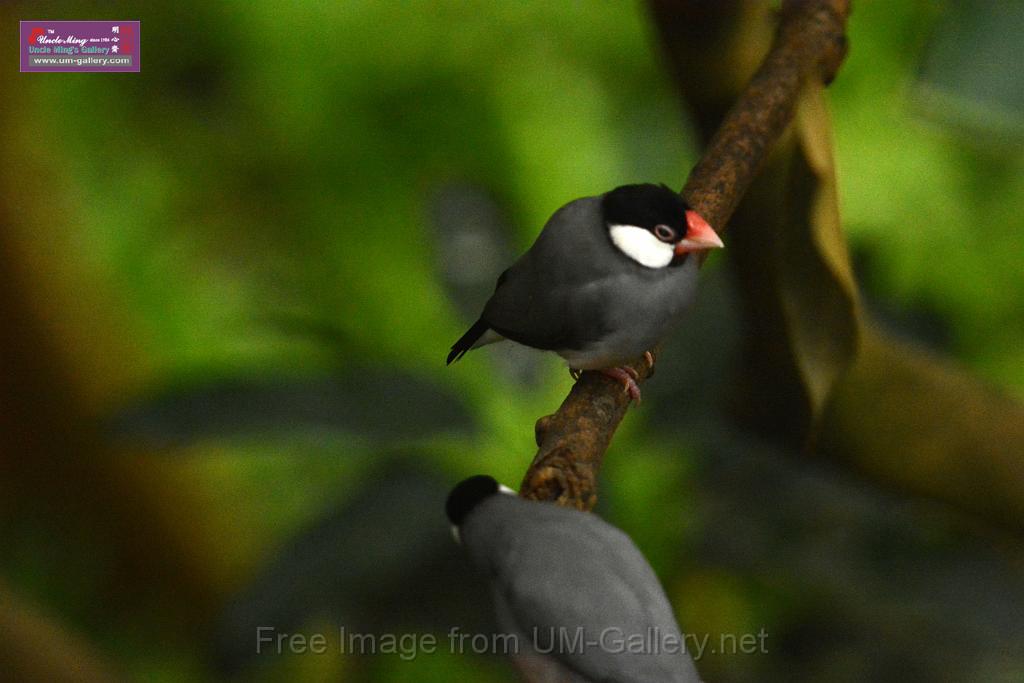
<point>699,236</point>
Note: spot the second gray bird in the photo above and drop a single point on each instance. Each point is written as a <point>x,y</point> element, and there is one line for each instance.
<point>575,595</point>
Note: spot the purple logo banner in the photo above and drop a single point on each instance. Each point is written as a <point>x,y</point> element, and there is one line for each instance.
<point>80,46</point>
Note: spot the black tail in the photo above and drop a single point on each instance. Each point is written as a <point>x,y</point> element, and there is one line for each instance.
<point>467,340</point>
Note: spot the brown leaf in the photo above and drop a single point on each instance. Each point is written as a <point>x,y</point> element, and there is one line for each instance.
<point>791,262</point>
<point>816,284</point>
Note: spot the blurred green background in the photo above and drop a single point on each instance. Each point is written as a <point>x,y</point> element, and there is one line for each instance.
<point>229,283</point>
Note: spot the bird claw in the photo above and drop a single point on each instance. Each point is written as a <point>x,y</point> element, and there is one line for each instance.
<point>628,376</point>
<point>649,359</point>
<point>575,373</point>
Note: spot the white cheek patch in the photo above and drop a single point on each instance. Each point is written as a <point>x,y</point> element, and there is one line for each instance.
<point>641,245</point>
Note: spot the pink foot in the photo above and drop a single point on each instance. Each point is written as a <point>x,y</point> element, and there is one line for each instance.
<point>628,376</point>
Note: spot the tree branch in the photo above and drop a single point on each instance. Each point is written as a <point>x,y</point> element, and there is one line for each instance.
<point>809,43</point>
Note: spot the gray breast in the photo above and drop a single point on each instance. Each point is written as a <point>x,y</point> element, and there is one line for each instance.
<point>636,309</point>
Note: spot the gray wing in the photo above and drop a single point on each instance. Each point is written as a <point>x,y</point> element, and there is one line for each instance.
<point>541,300</point>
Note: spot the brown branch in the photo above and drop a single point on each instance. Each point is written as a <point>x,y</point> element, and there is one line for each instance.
<point>809,43</point>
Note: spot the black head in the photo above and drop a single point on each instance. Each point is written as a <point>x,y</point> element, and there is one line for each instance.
<point>467,495</point>
<point>647,206</point>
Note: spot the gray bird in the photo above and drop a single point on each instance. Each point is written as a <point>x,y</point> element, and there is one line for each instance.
<point>603,282</point>
<point>573,592</point>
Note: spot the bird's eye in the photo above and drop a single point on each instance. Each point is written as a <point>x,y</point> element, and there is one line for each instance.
<point>664,233</point>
